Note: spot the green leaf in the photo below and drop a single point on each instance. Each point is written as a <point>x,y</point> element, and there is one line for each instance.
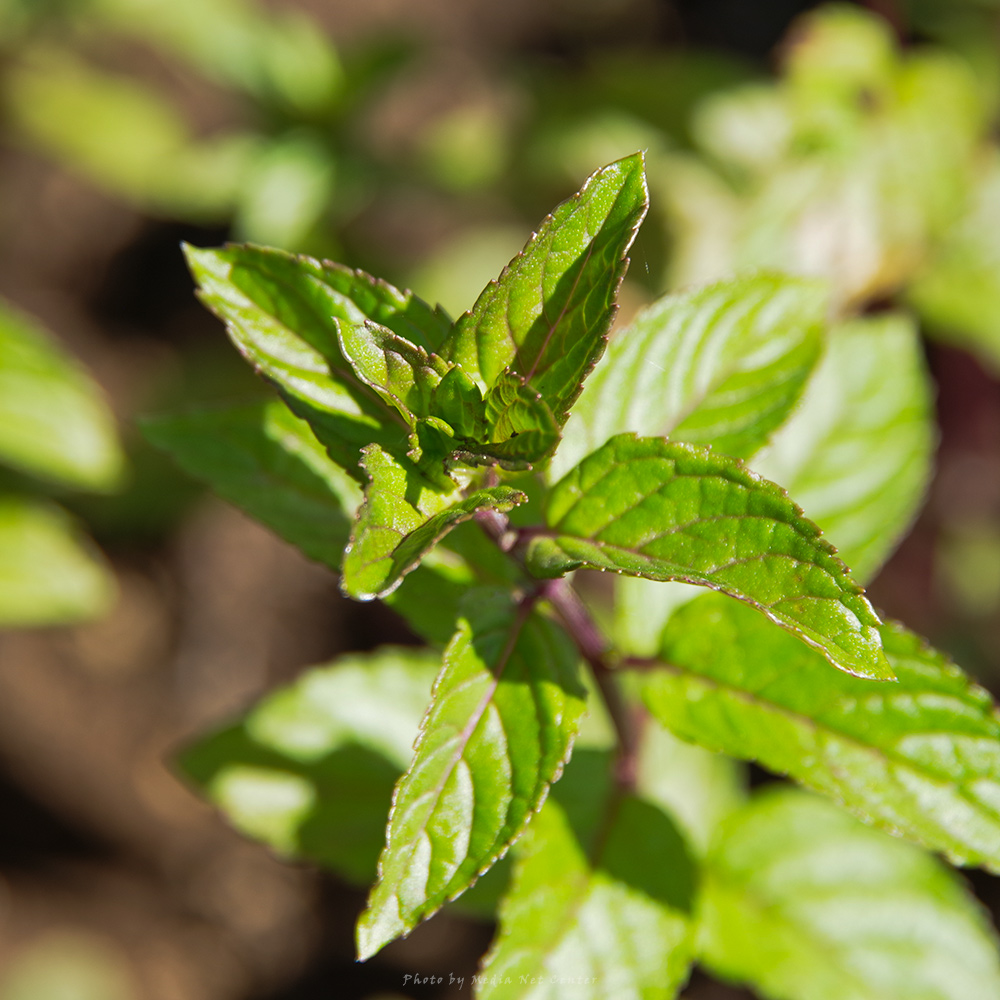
<point>283,313</point>
<point>857,453</point>
<point>600,901</point>
<point>665,510</point>
<point>721,366</point>
<point>54,421</point>
<point>505,709</point>
<point>267,462</point>
<point>920,757</point>
<point>403,374</point>
<point>957,291</point>
<point>49,575</point>
<point>803,903</point>
<point>521,425</point>
<point>310,770</point>
<point>548,314</point>
<point>404,517</point>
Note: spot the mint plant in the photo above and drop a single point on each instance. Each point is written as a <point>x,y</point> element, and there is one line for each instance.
<point>470,474</point>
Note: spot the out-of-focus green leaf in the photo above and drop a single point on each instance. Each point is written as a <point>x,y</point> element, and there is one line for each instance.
<point>279,55</point>
<point>404,517</point>
<point>54,421</point>
<point>48,576</point>
<point>505,709</point>
<point>283,314</point>
<point>920,757</point>
<point>547,316</point>
<point>124,136</point>
<point>857,161</point>
<point>721,366</point>
<point>310,770</point>
<point>600,903</point>
<point>857,453</point>
<point>666,510</point>
<point>803,903</point>
<point>265,460</point>
<point>958,291</point>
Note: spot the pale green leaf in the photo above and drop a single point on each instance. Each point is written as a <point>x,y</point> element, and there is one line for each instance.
<point>548,314</point>
<point>283,314</point>
<point>310,770</point>
<point>402,518</point>
<point>505,709</point>
<point>54,422</point>
<point>721,366</point>
<point>957,292</point>
<point>920,757</point>
<point>599,906</point>
<point>857,453</point>
<point>49,575</point>
<point>804,903</point>
<point>670,511</point>
<point>267,461</point>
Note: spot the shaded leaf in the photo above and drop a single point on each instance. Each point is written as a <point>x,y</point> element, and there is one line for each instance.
<point>404,517</point>
<point>54,421</point>
<point>670,511</point>
<point>599,906</point>
<point>804,903</point>
<point>721,366</point>
<point>857,453</point>
<point>505,709</point>
<point>310,769</point>
<point>48,574</point>
<point>547,316</point>
<point>267,462</point>
<point>920,757</point>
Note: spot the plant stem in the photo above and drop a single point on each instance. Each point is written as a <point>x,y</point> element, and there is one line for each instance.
<point>594,648</point>
<point>591,643</point>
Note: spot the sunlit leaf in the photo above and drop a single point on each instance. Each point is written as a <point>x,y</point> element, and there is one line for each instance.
<point>803,903</point>
<point>402,518</point>
<point>548,314</point>
<point>500,727</point>
<point>54,421</point>
<point>600,901</point>
<point>919,757</point>
<point>48,575</point>
<point>857,453</point>
<point>721,366</point>
<point>670,511</point>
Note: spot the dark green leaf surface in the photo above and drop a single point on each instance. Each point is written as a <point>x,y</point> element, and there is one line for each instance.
<point>548,314</point>
<point>670,511</point>
<point>283,314</point>
<point>48,575</point>
<point>599,907</point>
<point>721,366</point>
<point>54,421</point>
<point>267,462</point>
<point>857,453</point>
<point>920,757</point>
<point>310,770</point>
<point>404,517</point>
<point>505,709</point>
<point>804,903</point>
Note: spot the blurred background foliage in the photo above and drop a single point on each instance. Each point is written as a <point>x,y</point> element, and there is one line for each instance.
<point>419,140</point>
